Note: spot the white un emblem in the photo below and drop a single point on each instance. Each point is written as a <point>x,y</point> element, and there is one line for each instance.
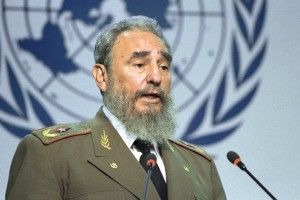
<point>49,55</point>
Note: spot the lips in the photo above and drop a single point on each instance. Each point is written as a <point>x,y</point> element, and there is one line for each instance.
<point>152,95</point>
<point>152,98</point>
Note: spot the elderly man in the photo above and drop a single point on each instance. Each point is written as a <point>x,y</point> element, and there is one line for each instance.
<point>99,158</point>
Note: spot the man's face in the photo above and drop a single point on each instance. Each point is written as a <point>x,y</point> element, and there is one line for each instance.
<point>137,88</point>
<point>141,69</point>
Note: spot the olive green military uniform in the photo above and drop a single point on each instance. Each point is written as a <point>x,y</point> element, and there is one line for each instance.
<point>89,160</point>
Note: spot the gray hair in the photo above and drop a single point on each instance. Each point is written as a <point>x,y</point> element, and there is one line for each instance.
<point>108,36</point>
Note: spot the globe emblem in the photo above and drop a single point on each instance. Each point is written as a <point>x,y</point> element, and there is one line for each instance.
<point>52,44</point>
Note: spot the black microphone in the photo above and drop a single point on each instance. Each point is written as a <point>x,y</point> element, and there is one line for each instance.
<point>148,161</point>
<point>235,159</point>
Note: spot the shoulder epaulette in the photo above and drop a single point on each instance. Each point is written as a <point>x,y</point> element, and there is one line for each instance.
<point>55,133</point>
<point>193,148</point>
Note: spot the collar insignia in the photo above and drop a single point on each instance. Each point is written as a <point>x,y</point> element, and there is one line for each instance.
<point>104,140</point>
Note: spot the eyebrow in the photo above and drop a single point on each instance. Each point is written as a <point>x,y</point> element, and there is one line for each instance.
<point>142,54</point>
<point>139,54</point>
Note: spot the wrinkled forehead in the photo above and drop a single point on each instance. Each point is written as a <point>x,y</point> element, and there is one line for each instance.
<point>129,42</point>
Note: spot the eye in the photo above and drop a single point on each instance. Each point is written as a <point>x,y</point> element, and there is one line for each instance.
<point>165,68</point>
<point>139,65</point>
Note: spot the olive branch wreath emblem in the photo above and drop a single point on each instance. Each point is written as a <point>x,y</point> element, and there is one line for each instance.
<point>250,38</point>
<point>24,99</point>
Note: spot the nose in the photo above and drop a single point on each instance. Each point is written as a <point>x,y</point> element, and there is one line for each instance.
<point>154,76</point>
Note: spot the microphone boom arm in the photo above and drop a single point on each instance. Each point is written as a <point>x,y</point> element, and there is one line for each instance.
<point>261,185</point>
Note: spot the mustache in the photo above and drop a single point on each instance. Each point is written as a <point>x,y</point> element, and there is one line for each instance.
<point>155,91</point>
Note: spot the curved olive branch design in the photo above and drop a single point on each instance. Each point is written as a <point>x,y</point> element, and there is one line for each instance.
<point>21,110</point>
<point>250,39</point>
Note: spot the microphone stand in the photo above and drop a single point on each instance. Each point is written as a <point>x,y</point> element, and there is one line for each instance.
<point>149,171</point>
<point>261,185</point>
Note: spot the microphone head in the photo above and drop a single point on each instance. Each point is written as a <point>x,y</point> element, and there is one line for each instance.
<point>232,156</point>
<point>235,159</point>
<point>151,162</point>
<point>148,159</point>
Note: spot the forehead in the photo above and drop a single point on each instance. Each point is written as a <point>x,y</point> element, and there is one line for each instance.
<point>132,41</point>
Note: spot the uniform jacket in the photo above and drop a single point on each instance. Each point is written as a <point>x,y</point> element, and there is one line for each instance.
<point>89,160</point>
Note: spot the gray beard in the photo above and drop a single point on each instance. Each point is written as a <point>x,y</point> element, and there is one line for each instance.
<point>151,125</point>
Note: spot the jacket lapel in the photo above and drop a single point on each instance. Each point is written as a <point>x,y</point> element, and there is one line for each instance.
<point>179,173</point>
<point>113,158</point>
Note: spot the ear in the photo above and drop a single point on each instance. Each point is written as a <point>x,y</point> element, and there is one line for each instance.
<point>100,76</point>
